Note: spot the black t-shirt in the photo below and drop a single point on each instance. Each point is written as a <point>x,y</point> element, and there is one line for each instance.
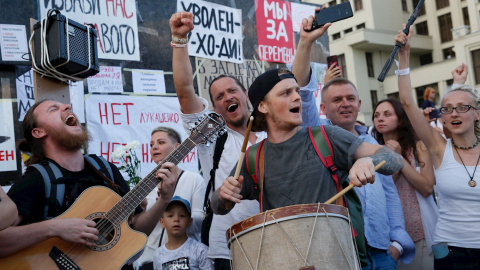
<point>29,192</point>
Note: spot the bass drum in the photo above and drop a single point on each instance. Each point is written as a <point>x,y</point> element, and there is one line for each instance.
<point>306,236</point>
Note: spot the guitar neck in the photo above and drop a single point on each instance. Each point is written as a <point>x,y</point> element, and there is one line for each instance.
<point>132,199</point>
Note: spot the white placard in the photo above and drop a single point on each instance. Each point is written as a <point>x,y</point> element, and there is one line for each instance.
<point>25,91</point>
<point>13,42</point>
<point>115,22</point>
<point>115,120</point>
<point>8,160</point>
<point>148,81</point>
<point>108,80</point>
<point>218,31</point>
<point>319,70</point>
<point>299,12</point>
<point>77,100</point>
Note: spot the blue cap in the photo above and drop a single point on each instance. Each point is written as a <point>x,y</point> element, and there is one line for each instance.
<point>180,200</point>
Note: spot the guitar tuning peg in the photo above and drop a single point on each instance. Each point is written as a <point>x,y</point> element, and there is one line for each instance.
<point>207,143</point>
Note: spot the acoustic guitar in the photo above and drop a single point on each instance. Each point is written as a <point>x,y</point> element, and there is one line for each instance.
<point>117,241</point>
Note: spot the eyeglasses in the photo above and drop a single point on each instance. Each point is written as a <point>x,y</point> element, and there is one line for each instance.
<point>459,109</point>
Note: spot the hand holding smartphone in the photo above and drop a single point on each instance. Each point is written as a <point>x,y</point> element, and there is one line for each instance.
<point>332,14</point>
<point>332,59</point>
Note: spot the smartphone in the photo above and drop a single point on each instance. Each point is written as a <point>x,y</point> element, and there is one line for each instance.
<point>440,250</point>
<point>332,59</point>
<point>332,14</point>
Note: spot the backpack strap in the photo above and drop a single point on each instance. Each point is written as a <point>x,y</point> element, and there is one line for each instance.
<point>101,164</point>
<point>255,167</point>
<point>324,150</point>
<point>54,192</point>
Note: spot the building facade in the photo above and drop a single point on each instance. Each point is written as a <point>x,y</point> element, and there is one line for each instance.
<point>446,33</point>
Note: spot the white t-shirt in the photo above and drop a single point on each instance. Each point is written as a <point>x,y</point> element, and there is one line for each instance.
<point>191,255</point>
<point>459,215</point>
<point>217,243</point>
<point>191,187</point>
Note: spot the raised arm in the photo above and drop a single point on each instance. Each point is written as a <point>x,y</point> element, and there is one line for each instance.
<point>459,74</point>
<point>181,23</point>
<point>301,63</point>
<point>434,142</point>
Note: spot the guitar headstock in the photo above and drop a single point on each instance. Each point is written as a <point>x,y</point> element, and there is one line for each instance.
<point>208,129</point>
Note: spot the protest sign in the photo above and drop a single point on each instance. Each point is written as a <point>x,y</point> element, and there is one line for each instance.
<point>108,80</point>
<point>25,90</point>
<point>274,31</point>
<point>114,20</point>
<point>114,120</point>
<point>13,42</point>
<point>8,161</point>
<point>208,69</point>
<point>217,33</point>
<point>148,81</point>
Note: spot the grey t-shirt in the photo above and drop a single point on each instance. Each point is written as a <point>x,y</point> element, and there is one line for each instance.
<point>294,173</point>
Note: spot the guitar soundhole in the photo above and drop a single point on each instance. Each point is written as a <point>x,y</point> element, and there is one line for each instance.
<point>108,232</point>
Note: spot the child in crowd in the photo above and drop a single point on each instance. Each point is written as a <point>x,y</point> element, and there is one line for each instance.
<point>180,252</point>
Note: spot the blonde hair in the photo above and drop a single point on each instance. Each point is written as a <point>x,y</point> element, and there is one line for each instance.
<point>475,98</point>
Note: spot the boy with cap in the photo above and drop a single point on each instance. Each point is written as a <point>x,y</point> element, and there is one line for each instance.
<point>180,252</point>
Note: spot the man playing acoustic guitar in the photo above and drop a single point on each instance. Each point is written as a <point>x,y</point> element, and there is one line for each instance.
<point>53,134</point>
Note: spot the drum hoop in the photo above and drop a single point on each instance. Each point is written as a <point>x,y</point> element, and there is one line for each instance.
<point>254,227</point>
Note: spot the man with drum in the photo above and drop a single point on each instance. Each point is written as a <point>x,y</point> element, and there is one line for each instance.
<point>229,99</point>
<point>293,173</point>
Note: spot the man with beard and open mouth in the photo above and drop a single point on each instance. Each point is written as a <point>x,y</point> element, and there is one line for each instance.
<point>229,99</point>
<point>53,134</point>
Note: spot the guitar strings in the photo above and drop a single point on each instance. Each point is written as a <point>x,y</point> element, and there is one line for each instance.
<point>105,225</point>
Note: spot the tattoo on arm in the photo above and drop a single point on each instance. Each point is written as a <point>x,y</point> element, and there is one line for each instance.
<point>219,206</point>
<point>394,161</point>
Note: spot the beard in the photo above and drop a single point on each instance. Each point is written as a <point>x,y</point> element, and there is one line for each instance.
<point>240,122</point>
<point>70,141</point>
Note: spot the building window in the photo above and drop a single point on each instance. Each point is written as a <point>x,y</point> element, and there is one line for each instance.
<point>395,95</point>
<point>422,28</point>
<point>373,98</point>
<point>442,3</point>
<point>445,25</point>
<point>466,19</point>
<point>332,3</point>
<point>404,5</point>
<point>336,36</point>
<point>422,10</point>
<point>370,65</point>
<point>358,5</point>
<point>425,59</point>
<point>346,31</point>
<point>448,53</point>
<point>361,26</point>
<point>476,65</point>
<point>343,65</point>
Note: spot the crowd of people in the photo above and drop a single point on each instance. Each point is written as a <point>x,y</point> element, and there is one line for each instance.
<point>402,224</point>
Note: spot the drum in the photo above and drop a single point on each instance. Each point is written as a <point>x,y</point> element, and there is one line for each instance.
<point>292,237</point>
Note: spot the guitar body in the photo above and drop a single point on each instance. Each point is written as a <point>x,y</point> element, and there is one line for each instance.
<point>122,244</point>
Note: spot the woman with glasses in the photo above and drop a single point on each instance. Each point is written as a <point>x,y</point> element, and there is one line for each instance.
<point>457,237</point>
<point>393,129</point>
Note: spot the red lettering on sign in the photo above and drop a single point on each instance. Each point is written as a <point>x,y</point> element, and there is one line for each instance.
<point>5,155</point>
<point>115,4</point>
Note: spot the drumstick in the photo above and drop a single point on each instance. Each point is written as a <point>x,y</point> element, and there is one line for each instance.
<point>345,190</point>
<point>242,155</point>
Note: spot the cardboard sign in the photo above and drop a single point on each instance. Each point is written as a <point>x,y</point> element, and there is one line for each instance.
<point>108,80</point>
<point>218,31</point>
<point>114,120</point>
<point>274,31</point>
<point>114,20</point>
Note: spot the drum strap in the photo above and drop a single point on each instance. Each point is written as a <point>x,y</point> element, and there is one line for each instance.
<point>255,161</point>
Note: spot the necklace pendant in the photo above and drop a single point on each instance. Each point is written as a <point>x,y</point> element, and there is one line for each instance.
<point>472,183</point>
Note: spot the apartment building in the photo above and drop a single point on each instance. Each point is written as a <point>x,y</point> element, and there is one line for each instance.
<point>446,33</point>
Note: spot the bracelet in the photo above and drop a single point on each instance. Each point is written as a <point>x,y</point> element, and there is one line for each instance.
<point>179,40</point>
<point>177,45</point>
<point>402,72</point>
